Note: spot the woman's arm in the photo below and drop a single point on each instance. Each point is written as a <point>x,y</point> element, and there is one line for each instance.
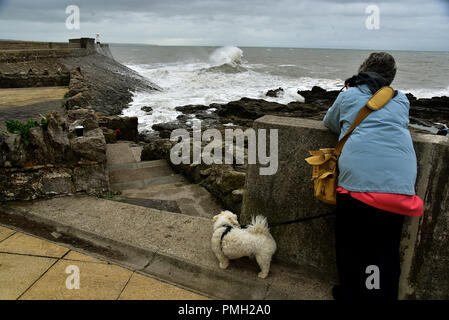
<point>332,118</point>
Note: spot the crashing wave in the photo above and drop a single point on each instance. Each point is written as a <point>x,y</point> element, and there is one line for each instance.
<point>227,60</point>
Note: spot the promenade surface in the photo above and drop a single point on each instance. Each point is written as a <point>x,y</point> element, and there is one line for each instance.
<point>32,268</point>
<point>28,103</point>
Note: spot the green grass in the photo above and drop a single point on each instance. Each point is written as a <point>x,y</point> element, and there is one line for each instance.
<point>110,196</point>
<point>23,128</point>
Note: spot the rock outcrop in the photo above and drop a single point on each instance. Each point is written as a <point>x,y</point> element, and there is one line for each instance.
<point>55,161</point>
<point>109,84</point>
<point>275,93</point>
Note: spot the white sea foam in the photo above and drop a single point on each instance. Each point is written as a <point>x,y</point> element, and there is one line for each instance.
<point>225,77</point>
<point>427,93</point>
<point>185,84</point>
<point>226,55</point>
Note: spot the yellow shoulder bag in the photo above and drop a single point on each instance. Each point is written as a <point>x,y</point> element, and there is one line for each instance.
<point>324,161</point>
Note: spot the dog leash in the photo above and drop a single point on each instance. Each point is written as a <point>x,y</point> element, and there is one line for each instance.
<point>270,225</point>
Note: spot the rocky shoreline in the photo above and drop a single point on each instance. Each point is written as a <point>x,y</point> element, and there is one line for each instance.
<point>424,111</point>
<point>226,182</point>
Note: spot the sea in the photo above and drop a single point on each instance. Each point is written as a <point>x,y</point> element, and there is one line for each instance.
<point>190,75</point>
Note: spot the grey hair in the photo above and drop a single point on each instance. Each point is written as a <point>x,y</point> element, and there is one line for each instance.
<point>381,62</point>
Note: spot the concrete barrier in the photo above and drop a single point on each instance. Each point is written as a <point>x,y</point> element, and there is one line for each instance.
<point>26,45</point>
<point>12,51</point>
<point>287,195</point>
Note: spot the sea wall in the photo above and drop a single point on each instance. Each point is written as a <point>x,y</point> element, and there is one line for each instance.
<point>19,53</point>
<point>23,79</point>
<point>287,195</point>
<point>12,51</point>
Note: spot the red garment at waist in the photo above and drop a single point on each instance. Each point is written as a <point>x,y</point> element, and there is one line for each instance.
<point>410,205</point>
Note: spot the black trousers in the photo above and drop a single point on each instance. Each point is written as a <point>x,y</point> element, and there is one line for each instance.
<point>366,237</point>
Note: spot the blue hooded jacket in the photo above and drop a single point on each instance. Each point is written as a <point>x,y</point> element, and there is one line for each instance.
<point>378,155</point>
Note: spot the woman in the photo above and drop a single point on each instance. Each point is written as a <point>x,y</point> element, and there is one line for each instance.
<point>376,184</point>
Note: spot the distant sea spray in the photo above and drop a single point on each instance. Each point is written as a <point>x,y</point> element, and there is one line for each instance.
<point>226,55</point>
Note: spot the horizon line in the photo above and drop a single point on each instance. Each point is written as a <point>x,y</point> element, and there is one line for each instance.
<point>246,46</point>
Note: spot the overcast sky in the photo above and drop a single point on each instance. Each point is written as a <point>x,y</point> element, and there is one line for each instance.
<point>404,24</point>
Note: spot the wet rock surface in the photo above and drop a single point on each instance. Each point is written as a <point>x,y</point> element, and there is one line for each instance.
<point>125,128</point>
<point>275,93</point>
<point>109,84</point>
<point>55,161</point>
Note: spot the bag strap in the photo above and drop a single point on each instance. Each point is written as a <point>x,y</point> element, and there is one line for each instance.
<point>376,102</point>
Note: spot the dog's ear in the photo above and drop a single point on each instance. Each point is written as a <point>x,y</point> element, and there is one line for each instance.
<point>215,218</point>
<point>234,220</point>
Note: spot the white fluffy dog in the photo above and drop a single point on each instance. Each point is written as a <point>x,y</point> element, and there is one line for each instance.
<point>231,241</point>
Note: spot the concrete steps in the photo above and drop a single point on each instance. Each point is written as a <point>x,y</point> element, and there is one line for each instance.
<point>170,246</point>
<point>154,184</point>
<point>126,171</point>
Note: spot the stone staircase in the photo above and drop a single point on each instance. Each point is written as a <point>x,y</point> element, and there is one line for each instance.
<point>154,184</point>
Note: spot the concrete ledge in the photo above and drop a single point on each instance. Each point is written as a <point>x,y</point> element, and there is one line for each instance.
<point>287,195</point>
<point>172,247</point>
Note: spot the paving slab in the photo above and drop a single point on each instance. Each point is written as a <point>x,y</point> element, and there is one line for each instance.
<point>173,247</point>
<point>143,288</point>
<point>97,282</point>
<point>5,233</point>
<point>24,244</point>
<point>76,256</point>
<point>19,272</point>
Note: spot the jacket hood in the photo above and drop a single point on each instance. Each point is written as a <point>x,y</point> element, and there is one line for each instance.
<point>373,80</point>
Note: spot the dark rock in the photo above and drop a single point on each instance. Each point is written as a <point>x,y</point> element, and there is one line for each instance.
<point>80,100</point>
<point>192,108</point>
<point>91,147</point>
<point>127,126</point>
<point>435,109</point>
<point>109,135</point>
<point>279,92</point>
<point>147,109</point>
<point>166,128</point>
<point>91,179</point>
<point>77,83</point>
<point>56,182</point>
<point>157,149</point>
<point>232,180</point>
<point>12,150</point>
<point>319,95</point>
<point>57,131</point>
<point>82,117</point>
<point>40,147</point>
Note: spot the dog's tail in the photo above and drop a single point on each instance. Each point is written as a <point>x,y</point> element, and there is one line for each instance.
<point>259,224</point>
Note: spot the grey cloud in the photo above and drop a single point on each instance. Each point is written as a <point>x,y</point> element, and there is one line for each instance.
<point>405,24</point>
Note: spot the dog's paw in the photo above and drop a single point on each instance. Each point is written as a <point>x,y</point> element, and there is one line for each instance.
<point>224,265</point>
<point>262,275</point>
